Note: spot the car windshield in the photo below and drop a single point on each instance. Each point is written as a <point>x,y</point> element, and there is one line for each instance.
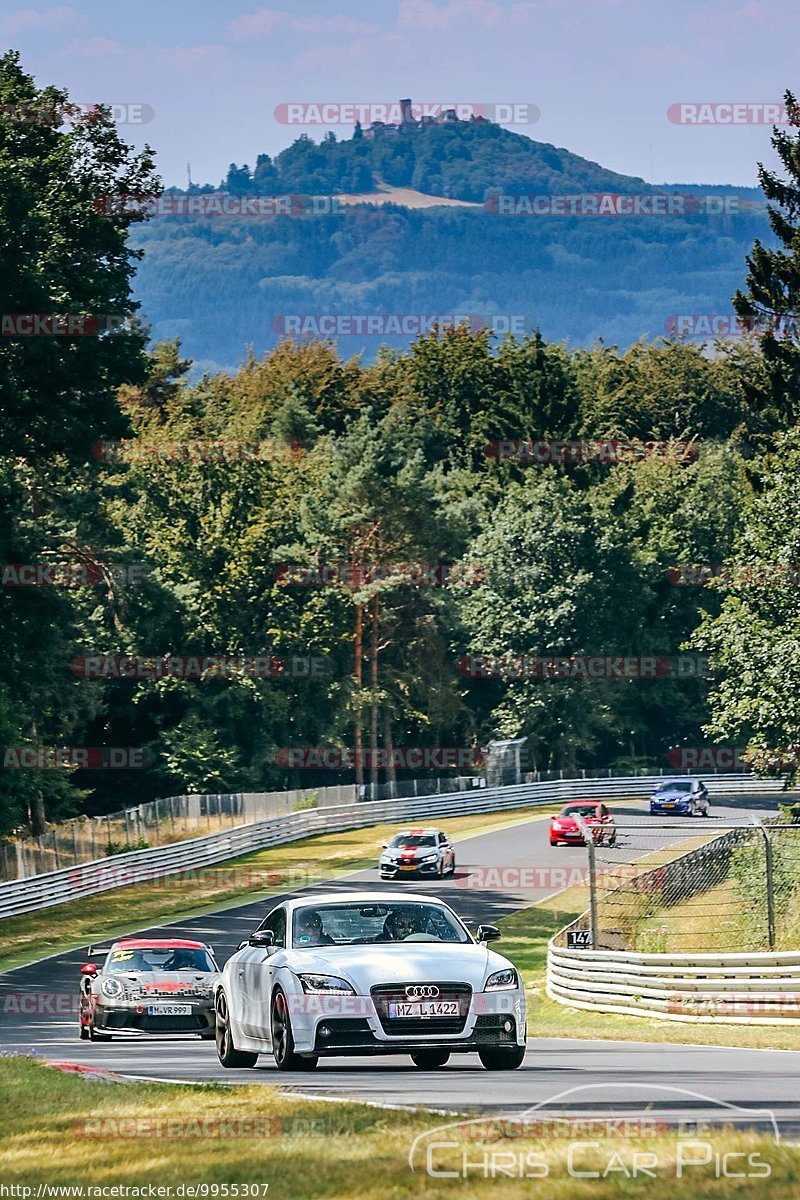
<point>681,787</point>
<point>407,841</point>
<point>585,810</point>
<point>362,924</point>
<point>159,958</point>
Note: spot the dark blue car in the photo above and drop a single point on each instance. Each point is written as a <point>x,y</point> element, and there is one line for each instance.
<point>680,797</point>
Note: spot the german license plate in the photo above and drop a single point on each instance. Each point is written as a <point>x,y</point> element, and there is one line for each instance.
<point>169,1010</point>
<point>423,1008</point>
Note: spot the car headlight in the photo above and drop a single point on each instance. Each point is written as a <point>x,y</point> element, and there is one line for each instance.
<point>430,858</point>
<point>502,980</point>
<point>325,985</point>
<point>112,988</point>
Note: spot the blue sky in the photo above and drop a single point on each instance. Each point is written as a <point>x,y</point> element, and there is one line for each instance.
<point>602,72</point>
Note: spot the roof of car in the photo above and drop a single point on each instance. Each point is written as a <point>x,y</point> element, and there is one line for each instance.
<point>159,944</point>
<point>319,898</point>
<point>415,832</point>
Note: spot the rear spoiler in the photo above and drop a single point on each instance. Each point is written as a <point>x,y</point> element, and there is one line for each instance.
<point>97,951</point>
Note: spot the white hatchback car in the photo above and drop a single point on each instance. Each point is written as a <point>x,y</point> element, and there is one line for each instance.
<point>368,973</point>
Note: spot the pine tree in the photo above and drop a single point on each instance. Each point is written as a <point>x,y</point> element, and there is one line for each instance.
<point>771,304</point>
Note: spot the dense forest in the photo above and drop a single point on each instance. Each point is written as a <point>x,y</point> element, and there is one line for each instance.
<point>194,506</point>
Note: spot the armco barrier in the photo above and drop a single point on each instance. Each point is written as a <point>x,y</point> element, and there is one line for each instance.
<point>751,989</point>
<point>138,866</point>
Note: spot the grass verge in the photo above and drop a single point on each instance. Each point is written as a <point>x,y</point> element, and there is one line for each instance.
<point>61,1130</point>
<point>525,937</point>
<point>211,889</point>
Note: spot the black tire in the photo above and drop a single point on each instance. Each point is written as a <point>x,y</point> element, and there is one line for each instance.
<point>283,1039</point>
<point>612,841</point>
<point>429,1060</point>
<point>501,1058</point>
<point>94,1036</point>
<point>453,867</point>
<point>227,1053</point>
<point>84,1033</point>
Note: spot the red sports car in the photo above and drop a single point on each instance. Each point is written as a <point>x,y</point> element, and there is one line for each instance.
<point>564,827</point>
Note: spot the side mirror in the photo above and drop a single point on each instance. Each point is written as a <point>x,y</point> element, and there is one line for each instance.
<point>261,939</point>
<point>89,969</point>
<point>488,933</point>
<point>385,845</point>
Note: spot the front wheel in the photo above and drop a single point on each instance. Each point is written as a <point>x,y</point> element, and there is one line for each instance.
<point>227,1053</point>
<point>429,1060</point>
<point>286,1059</point>
<point>501,1058</point>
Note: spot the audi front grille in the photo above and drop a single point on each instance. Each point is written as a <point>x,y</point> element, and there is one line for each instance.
<point>384,994</point>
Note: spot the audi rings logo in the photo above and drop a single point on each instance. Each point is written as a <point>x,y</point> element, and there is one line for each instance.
<point>422,991</point>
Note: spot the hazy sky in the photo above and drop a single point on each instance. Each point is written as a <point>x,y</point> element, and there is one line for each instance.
<point>602,72</point>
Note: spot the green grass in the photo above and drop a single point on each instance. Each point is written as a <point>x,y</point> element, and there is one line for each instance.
<point>212,889</point>
<point>61,1129</point>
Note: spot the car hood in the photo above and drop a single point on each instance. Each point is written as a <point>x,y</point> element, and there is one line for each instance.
<point>165,983</point>
<point>672,794</point>
<point>366,966</point>
<point>410,854</point>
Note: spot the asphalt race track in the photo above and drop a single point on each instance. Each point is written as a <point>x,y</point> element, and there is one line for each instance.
<point>573,1075</point>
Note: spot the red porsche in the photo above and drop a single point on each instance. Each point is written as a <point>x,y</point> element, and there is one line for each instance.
<point>564,828</point>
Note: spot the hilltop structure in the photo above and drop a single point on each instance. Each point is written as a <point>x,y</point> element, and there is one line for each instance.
<point>409,122</point>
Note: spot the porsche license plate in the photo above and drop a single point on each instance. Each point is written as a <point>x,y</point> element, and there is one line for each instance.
<point>169,1010</point>
<point>423,1008</point>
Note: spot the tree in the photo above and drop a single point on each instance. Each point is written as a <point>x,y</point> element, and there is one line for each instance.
<point>771,303</point>
<point>754,642</point>
<point>63,252</point>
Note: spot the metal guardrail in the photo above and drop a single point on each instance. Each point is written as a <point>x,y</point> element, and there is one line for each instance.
<point>138,866</point>
<point>752,989</point>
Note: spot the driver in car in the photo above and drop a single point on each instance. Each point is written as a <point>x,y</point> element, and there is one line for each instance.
<point>400,924</point>
<point>181,960</point>
<point>310,931</point>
